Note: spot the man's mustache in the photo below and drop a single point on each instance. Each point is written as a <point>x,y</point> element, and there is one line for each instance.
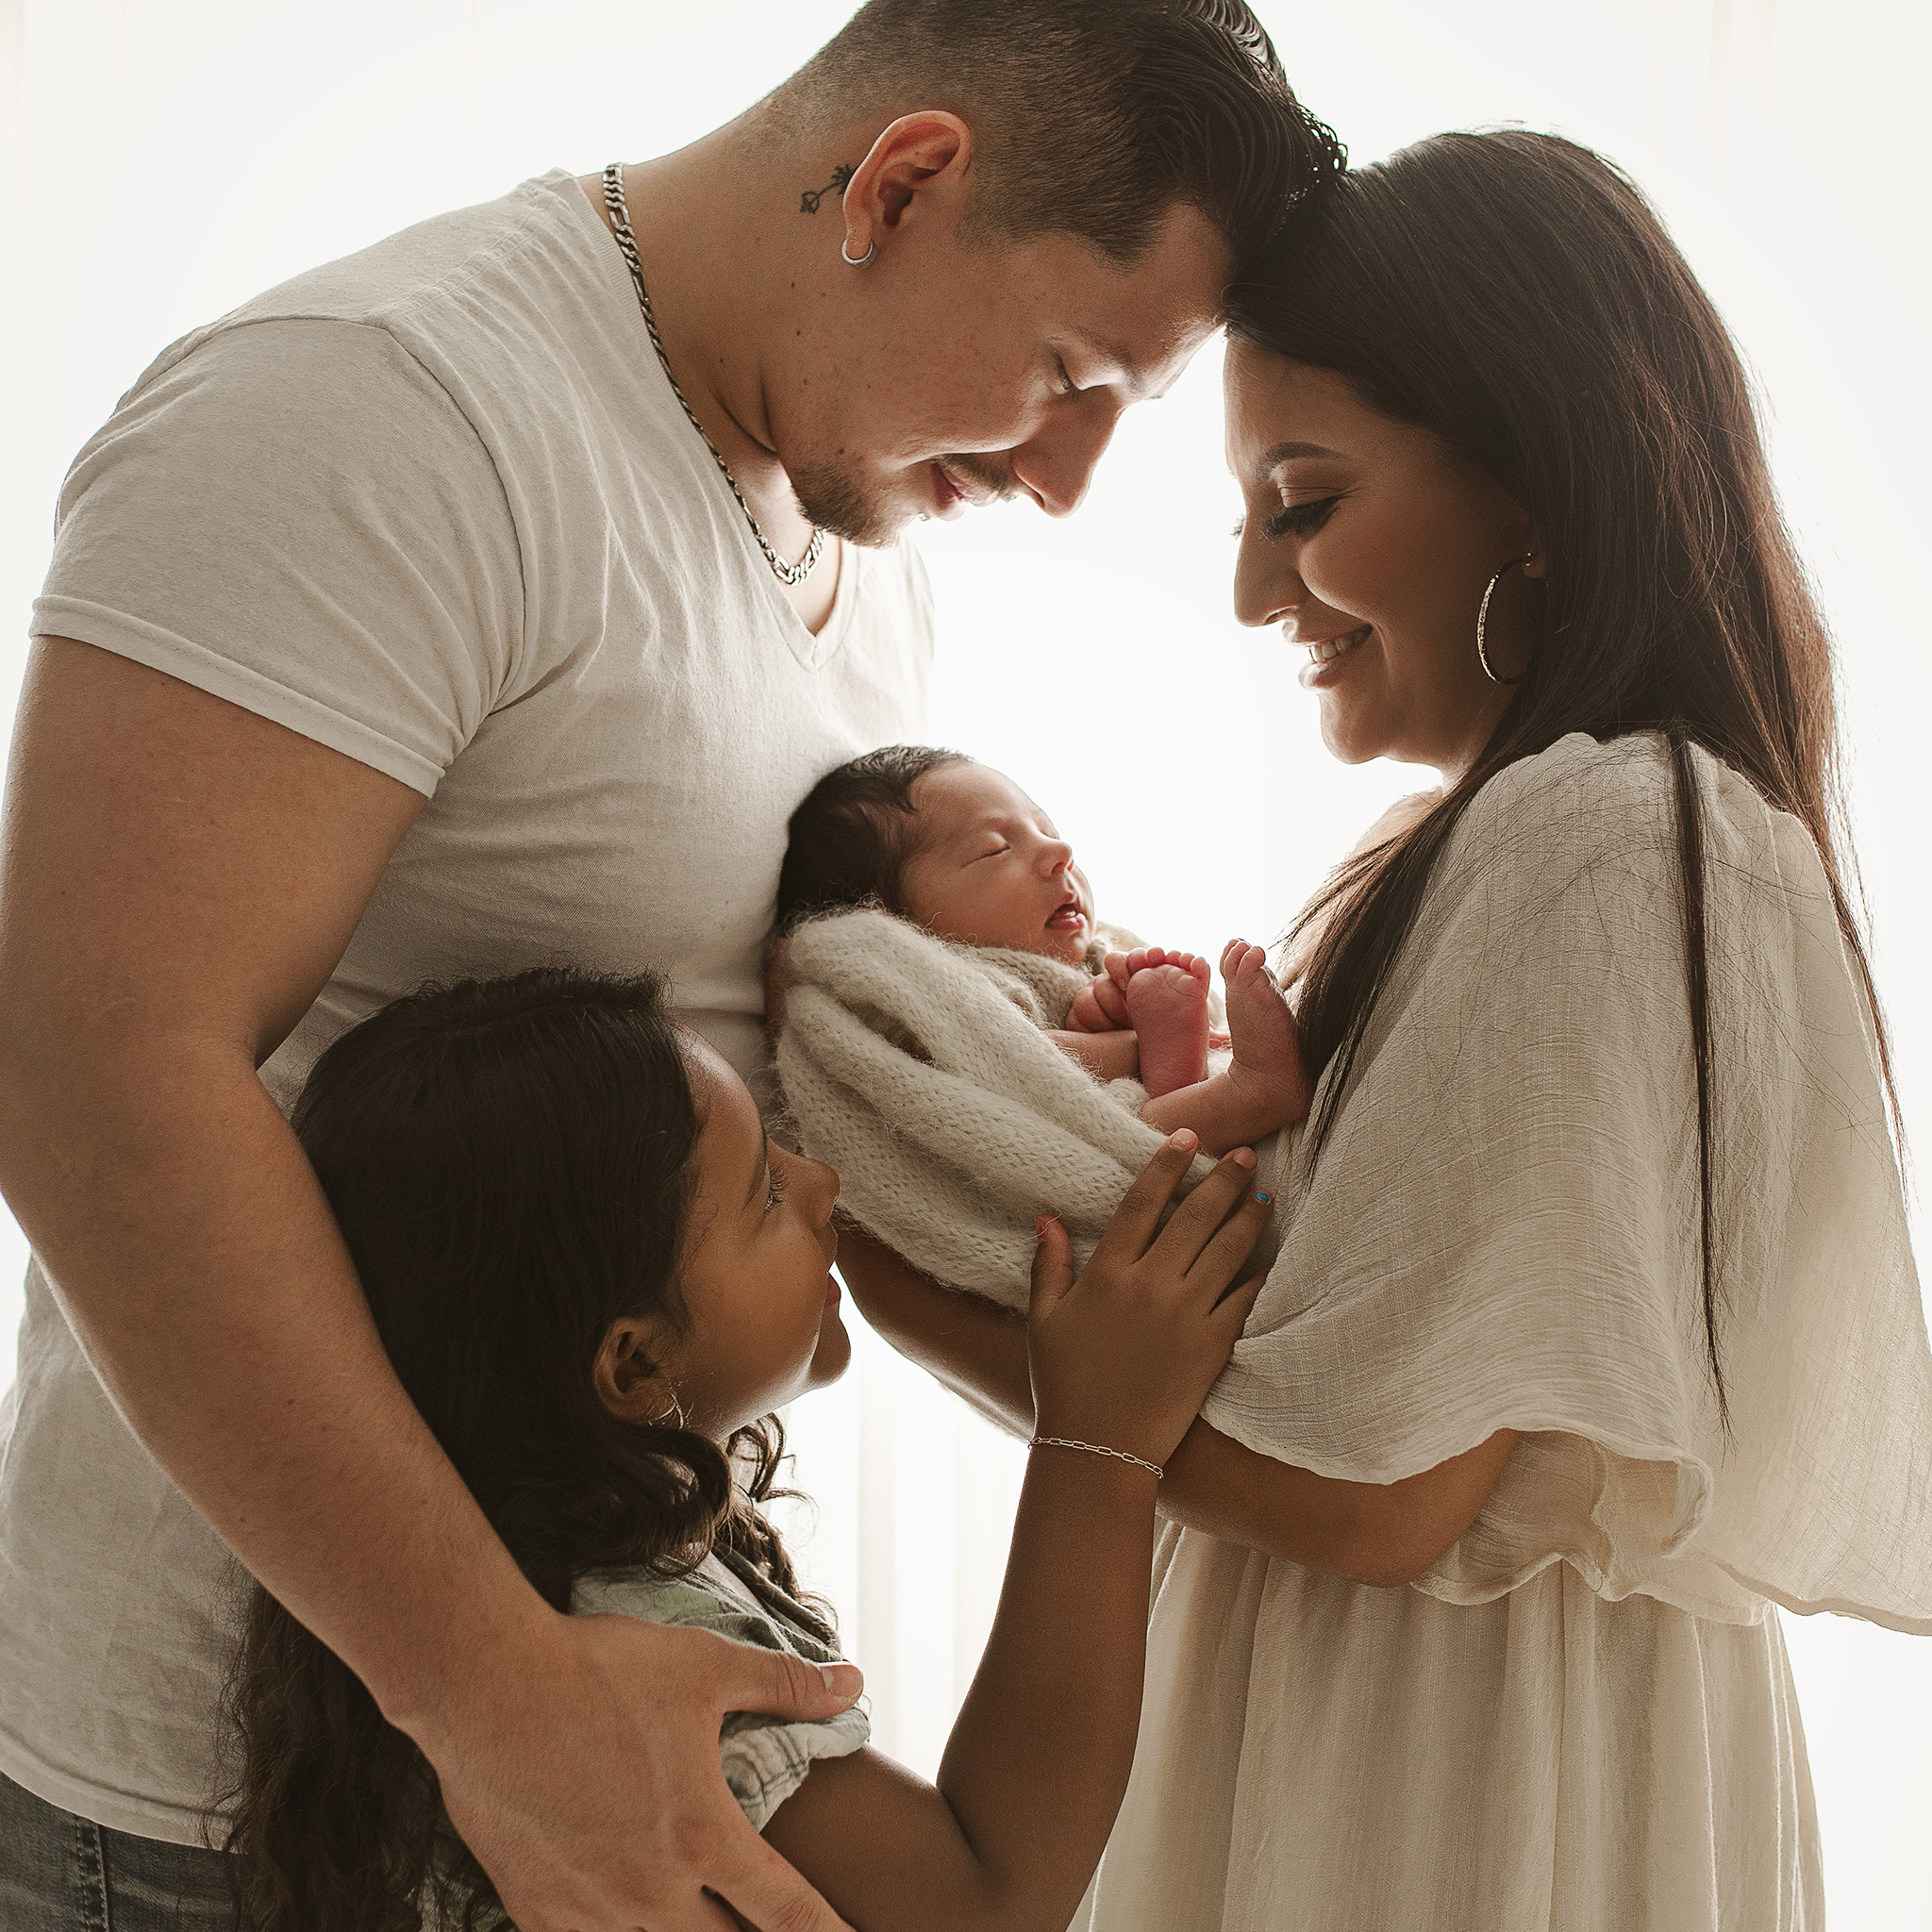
<point>984,473</point>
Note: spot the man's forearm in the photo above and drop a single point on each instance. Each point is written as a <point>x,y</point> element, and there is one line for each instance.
<point>193,1251</point>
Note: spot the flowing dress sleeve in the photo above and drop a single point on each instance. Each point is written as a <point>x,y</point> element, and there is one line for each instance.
<point>1503,1228</point>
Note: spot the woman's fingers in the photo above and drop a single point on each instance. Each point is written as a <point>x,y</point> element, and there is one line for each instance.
<point>1137,1219</point>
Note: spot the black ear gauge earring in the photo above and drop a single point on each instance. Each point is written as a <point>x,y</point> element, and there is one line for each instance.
<point>1482,617</point>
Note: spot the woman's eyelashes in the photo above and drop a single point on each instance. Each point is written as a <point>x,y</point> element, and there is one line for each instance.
<point>1295,519</point>
<point>774,1185</point>
<point>1300,519</point>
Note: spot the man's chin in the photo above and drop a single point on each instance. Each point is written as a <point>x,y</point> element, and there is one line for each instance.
<point>835,501</point>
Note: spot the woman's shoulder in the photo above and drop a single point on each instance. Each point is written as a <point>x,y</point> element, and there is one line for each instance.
<point>1586,804</point>
<point>1580,778</point>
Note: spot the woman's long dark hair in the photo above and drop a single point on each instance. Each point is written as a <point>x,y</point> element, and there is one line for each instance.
<point>1517,295</point>
<point>510,1164</point>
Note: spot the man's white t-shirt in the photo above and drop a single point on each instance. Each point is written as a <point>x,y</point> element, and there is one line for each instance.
<point>436,506</point>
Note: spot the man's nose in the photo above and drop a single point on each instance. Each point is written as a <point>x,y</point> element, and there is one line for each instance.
<point>1055,464</point>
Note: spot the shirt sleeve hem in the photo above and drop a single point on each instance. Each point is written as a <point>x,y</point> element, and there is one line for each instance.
<point>764,1765</point>
<point>1830,1606</point>
<point>192,663</point>
<point>1416,1454</point>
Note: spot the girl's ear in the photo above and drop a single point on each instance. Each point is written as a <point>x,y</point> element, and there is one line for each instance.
<point>1536,563</point>
<point>627,1378</point>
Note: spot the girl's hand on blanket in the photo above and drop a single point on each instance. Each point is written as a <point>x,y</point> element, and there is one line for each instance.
<point>1125,1355</point>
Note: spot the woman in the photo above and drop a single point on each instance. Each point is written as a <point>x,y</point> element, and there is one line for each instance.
<point>1594,1331</point>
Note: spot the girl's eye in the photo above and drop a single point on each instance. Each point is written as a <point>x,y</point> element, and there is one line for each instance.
<point>1300,519</point>
<point>1068,386</point>
<point>775,1188</point>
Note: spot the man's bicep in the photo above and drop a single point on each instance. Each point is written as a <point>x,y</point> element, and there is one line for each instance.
<point>172,858</point>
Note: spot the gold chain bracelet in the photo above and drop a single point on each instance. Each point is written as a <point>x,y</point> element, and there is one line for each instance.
<point>1096,1449</point>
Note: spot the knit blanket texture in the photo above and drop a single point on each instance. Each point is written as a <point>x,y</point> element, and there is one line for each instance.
<point>950,1158</point>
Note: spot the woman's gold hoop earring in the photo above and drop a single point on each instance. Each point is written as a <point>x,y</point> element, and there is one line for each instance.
<point>872,248</point>
<point>1482,620</point>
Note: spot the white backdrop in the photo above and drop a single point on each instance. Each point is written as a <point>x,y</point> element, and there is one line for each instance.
<point>165,158</point>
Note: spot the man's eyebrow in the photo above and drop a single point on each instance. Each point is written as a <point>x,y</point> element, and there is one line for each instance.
<point>1286,452</point>
<point>761,1173</point>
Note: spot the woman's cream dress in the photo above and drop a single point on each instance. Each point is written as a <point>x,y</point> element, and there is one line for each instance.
<point>1582,1717</point>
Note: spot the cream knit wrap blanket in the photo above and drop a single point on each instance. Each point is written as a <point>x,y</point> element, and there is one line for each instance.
<point>951,1158</point>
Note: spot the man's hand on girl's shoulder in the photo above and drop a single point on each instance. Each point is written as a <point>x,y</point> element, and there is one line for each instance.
<point>586,1779</point>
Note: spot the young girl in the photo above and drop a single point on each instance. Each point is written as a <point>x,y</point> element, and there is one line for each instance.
<point>596,1277</point>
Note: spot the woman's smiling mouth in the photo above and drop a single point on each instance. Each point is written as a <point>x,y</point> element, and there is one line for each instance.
<point>1319,653</point>
<point>1322,667</point>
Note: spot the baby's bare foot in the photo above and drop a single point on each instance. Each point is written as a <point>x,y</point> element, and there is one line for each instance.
<point>1267,1071</point>
<point>1167,1001</point>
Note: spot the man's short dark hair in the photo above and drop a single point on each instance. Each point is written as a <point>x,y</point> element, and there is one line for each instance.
<point>850,839</point>
<point>1092,118</point>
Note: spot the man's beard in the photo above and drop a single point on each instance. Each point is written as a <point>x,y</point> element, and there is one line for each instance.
<point>832,497</point>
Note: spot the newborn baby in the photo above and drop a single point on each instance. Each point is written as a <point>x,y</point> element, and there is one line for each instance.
<point>959,850</point>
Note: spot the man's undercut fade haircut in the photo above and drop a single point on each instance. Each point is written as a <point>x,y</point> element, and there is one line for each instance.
<point>850,839</point>
<point>1090,118</point>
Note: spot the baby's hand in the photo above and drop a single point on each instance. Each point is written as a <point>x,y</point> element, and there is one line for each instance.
<point>1100,1004</point>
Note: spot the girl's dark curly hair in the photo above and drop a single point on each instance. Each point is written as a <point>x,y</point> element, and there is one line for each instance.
<point>511,1163</point>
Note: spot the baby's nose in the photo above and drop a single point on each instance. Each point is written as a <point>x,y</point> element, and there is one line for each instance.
<point>1056,855</point>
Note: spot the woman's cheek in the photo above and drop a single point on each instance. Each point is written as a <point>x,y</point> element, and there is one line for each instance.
<point>1339,569</point>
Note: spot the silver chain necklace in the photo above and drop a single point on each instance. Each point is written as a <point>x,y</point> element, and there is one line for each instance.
<point>620,223</point>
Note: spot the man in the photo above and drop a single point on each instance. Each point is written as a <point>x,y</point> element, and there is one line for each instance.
<point>490,596</point>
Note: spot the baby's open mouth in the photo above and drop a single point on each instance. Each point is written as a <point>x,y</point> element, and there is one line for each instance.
<point>1067,916</point>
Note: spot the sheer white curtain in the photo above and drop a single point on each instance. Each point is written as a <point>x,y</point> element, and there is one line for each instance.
<point>165,158</point>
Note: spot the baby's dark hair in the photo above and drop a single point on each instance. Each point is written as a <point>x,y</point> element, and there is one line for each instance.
<point>511,1165</point>
<point>850,839</point>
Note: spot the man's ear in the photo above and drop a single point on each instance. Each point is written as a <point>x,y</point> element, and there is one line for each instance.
<point>922,160</point>
<point>628,1381</point>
